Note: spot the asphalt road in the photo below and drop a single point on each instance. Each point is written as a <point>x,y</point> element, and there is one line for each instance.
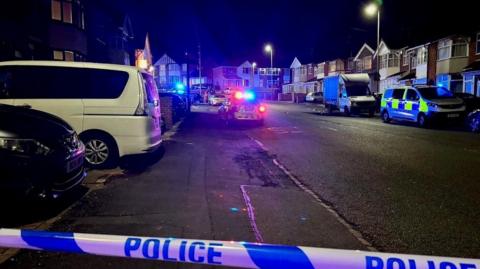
<point>314,180</point>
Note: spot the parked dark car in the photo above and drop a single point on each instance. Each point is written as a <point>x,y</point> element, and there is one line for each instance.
<point>471,101</point>
<point>178,105</point>
<point>40,155</point>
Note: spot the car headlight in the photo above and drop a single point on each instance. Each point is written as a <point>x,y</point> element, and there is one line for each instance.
<point>24,146</point>
<point>430,104</point>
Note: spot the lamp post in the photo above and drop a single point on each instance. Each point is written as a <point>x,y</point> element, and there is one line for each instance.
<point>269,49</point>
<point>254,64</point>
<point>370,10</point>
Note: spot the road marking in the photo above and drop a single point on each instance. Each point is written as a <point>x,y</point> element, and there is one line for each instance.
<point>317,198</point>
<point>251,214</point>
<point>262,146</point>
<point>285,130</point>
<point>332,129</point>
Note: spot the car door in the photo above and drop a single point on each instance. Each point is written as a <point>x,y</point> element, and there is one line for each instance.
<point>55,90</point>
<point>411,104</point>
<point>396,105</point>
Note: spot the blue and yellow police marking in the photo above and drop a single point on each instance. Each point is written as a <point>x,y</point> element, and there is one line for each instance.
<point>223,253</point>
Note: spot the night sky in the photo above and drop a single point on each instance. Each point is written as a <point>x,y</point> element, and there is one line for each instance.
<point>233,31</point>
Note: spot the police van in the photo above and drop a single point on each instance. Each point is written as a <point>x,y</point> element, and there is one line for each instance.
<point>421,104</point>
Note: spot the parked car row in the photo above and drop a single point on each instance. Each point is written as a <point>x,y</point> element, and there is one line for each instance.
<point>421,104</point>
<point>113,111</point>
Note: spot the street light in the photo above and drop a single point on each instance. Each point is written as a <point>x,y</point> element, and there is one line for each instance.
<point>269,49</point>
<point>254,64</point>
<point>371,10</point>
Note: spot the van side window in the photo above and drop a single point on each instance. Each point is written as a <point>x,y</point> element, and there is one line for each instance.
<point>412,95</point>
<point>398,93</point>
<point>105,84</point>
<point>44,82</point>
<point>49,82</point>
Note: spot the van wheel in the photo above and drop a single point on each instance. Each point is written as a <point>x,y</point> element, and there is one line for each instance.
<point>386,116</point>
<point>422,121</point>
<point>346,111</point>
<point>329,110</point>
<point>100,151</point>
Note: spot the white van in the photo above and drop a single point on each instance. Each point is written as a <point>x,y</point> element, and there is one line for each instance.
<point>114,108</point>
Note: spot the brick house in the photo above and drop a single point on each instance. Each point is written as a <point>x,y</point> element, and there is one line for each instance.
<point>364,63</point>
<point>471,73</point>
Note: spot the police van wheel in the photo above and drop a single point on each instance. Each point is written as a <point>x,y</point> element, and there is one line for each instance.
<point>385,116</point>
<point>422,121</point>
<point>346,111</point>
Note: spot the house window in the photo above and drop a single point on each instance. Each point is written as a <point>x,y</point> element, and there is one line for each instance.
<point>68,12</point>
<point>58,55</point>
<point>448,49</point>
<point>422,56</point>
<point>56,10</point>
<point>460,49</point>
<point>367,63</point>
<point>245,70</point>
<point>69,56</point>
<point>405,59</point>
<point>332,67</point>
<point>477,48</point>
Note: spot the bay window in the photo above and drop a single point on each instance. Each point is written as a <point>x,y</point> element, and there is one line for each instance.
<point>452,48</point>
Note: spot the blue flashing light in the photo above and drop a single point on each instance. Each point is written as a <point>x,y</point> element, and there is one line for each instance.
<point>180,88</point>
<point>249,95</point>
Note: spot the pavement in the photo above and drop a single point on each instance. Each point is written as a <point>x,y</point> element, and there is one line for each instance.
<point>301,179</point>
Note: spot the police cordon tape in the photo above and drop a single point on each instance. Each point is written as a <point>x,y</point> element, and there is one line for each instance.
<point>223,253</point>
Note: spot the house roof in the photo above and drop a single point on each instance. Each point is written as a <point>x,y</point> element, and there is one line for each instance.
<point>246,64</point>
<point>296,63</point>
<point>364,47</point>
<point>165,59</point>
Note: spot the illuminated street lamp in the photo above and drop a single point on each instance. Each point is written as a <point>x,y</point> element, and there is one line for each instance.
<point>254,64</point>
<point>371,10</point>
<point>269,49</point>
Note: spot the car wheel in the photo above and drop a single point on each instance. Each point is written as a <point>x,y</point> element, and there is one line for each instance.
<point>371,113</point>
<point>386,116</point>
<point>422,121</point>
<point>100,151</point>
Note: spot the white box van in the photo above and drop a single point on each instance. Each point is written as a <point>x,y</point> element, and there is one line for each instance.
<point>114,108</point>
